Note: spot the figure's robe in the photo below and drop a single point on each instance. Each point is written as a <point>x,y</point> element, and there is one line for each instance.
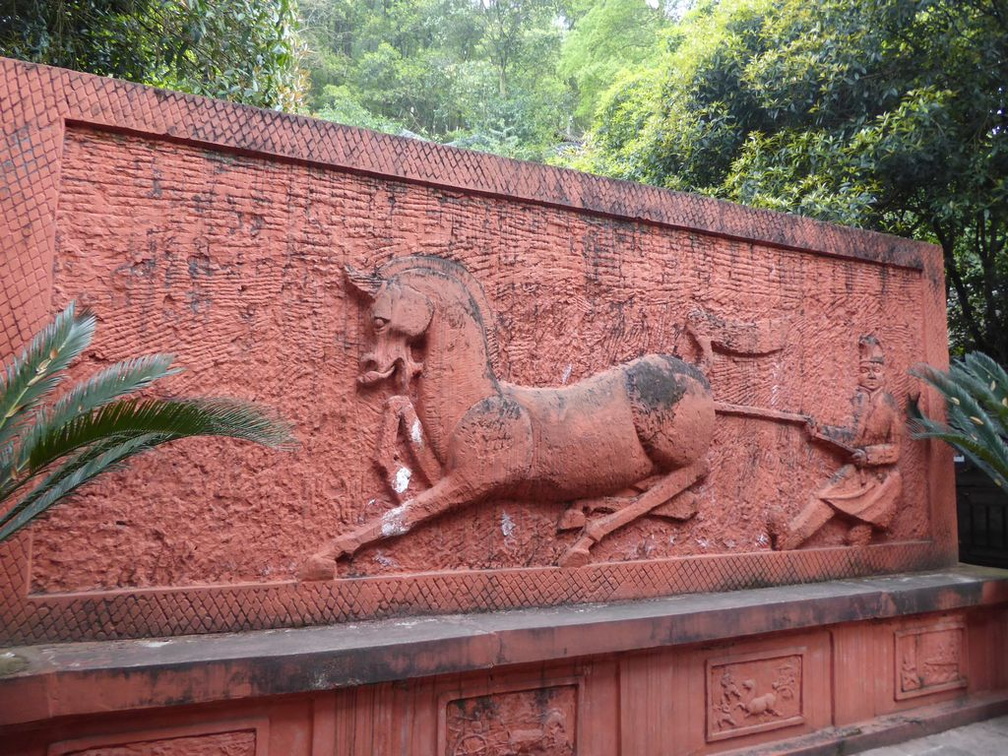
<point>869,492</point>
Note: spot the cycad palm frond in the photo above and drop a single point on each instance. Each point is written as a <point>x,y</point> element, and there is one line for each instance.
<point>976,398</point>
<point>48,452</point>
<point>38,370</point>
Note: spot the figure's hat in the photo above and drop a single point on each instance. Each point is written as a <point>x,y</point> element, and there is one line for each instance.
<point>870,349</point>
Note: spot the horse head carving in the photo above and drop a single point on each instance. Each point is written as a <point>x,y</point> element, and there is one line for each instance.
<point>645,424</point>
<point>399,315</point>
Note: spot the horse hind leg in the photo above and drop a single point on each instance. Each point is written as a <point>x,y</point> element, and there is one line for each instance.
<point>594,531</point>
<point>680,507</point>
<point>575,516</point>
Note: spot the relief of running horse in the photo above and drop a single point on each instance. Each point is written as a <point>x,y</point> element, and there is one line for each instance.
<point>644,425</point>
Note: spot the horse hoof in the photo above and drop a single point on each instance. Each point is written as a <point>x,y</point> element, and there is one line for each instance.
<point>575,558</point>
<point>571,519</point>
<point>317,568</point>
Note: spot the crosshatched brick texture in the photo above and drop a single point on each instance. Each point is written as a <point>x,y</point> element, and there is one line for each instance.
<point>220,233</point>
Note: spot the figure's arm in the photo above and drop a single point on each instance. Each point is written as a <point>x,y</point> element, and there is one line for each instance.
<point>837,437</point>
<point>879,454</point>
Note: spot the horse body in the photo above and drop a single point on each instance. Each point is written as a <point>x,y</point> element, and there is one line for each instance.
<point>495,439</point>
<point>609,431</point>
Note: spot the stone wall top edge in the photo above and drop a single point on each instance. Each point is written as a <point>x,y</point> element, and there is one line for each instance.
<point>298,661</point>
<point>54,94</point>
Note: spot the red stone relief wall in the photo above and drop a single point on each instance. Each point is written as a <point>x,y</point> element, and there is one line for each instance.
<point>221,235</point>
<point>540,720</point>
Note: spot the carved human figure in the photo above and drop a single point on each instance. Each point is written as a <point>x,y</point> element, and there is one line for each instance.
<point>864,491</point>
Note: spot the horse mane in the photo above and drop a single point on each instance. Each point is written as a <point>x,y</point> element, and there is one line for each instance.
<point>425,265</point>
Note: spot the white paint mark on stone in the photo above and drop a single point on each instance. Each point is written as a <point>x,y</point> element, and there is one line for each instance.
<point>507,525</point>
<point>566,374</point>
<point>384,560</point>
<point>393,523</point>
<point>154,643</point>
<point>762,540</point>
<point>402,479</point>
<point>416,432</point>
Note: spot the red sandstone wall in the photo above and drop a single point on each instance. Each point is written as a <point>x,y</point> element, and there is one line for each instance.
<point>219,234</point>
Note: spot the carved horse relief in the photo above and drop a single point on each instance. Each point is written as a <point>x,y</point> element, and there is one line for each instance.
<point>643,426</point>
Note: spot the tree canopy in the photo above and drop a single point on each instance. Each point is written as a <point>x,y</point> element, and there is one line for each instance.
<point>241,50</point>
<point>884,114</point>
<point>476,74</point>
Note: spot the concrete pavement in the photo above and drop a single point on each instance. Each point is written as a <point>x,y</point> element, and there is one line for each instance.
<point>987,738</point>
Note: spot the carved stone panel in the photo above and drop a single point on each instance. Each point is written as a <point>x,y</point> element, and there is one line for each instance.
<point>930,659</point>
<point>242,738</point>
<point>533,722</point>
<point>755,693</point>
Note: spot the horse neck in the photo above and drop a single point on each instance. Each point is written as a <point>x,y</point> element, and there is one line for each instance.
<point>456,374</point>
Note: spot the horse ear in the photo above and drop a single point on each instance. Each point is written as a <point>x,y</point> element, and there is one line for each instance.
<point>365,284</point>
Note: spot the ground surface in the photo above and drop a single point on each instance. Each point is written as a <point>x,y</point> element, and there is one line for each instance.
<point>988,738</point>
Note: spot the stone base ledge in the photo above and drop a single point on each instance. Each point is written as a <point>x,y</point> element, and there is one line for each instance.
<point>90,678</point>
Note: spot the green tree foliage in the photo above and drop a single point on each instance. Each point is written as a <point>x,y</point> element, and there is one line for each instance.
<point>885,114</point>
<point>241,50</point>
<point>48,450</point>
<point>609,37</point>
<point>475,74</point>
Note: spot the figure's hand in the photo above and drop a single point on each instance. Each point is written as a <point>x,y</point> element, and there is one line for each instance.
<point>859,457</point>
<point>811,426</point>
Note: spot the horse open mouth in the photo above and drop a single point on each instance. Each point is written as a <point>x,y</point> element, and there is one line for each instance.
<point>371,377</point>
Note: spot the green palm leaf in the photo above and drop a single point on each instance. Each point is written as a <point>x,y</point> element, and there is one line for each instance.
<point>36,372</point>
<point>975,389</point>
<point>70,476</point>
<point>117,381</point>
<point>47,452</point>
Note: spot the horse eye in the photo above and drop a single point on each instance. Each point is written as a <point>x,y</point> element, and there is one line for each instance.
<point>379,322</point>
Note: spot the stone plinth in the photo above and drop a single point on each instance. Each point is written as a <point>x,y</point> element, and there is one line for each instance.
<point>810,668</point>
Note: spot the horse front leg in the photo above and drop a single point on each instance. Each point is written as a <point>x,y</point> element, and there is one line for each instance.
<point>446,494</point>
<point>400,415</point>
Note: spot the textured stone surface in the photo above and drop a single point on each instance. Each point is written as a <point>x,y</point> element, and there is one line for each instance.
<point>220,233</point>
<point>225,744</point>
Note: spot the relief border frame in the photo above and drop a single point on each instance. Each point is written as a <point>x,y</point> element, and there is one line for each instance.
<point>258,725</point>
